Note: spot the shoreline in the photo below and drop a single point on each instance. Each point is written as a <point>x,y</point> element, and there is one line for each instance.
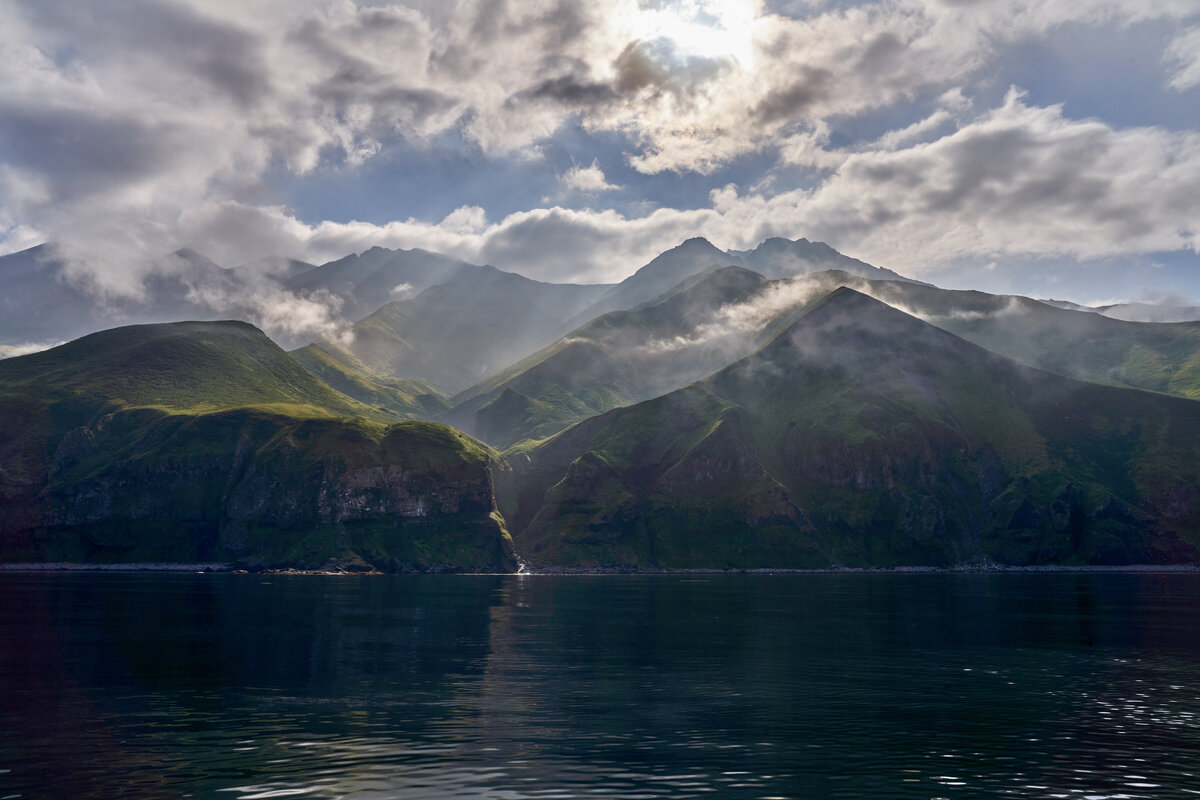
<point>235,569</point>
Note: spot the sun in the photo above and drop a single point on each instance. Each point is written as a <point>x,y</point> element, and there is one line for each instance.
<point>700,28</point>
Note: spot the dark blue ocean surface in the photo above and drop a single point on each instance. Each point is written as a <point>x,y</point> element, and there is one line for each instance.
<point>871,685</point>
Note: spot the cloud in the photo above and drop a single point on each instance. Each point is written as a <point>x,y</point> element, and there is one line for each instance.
<point>734,326</point>
<point>586,180</point>
<point>1018,180</point>
<point>25,348</point>
<point>1183,54</point>
<point>130,128</point>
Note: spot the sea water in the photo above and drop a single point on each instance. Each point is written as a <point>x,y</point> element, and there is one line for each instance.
<point>854,685</point>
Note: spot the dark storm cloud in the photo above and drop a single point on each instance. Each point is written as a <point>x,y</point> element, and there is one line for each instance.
<point>484,24</point>
<point>81,153</point>
<point>569,90</point>
<point>880,57</point>
<point>810,88</point>
<point>657,66</point>
<point>351,81</point>
<point>230,60</point>
<point>566,81</point>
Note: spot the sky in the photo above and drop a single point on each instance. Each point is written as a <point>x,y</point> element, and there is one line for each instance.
<point>1042,147</point>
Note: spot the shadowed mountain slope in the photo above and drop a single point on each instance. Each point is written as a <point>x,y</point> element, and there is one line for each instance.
<point>41,304</point>
<point>861,435</point>
<point>620,358</point>
<point>193,442</point>
<point>1161,357</point>
<point>660,274</point>
<point>784,258</point>
<point>459,331</point>
<point>774,258</point>
<point>378,276</point>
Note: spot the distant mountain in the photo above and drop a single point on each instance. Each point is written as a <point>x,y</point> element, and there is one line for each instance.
<point>1137,312</point>
<point>617,359</point>
<point>783,258</point>
<point>279,268</point>
<point>1067,304</point>
<point>1151,312</point>
<point>40,304</point>
<point>774,258</point>
<point>196,442</point>
<point>664,271</point>
<point>452,334</point>
<point>1085,345</point>
<point>378,276</point>
<point>860,435</point>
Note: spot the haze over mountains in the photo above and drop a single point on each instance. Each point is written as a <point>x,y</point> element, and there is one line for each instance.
<point>785,406</point>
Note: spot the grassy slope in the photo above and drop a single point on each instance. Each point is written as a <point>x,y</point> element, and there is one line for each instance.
<point>188,367</point>
<point>133,444</point>
<point>411,398</point>
<point>862,435</point>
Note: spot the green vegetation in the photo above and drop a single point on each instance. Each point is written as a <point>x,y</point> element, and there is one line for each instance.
<point>411,398</point>
<point>731,422</point>
<point>860,435</point>
<point>192,367</point>
<point>205,442</point>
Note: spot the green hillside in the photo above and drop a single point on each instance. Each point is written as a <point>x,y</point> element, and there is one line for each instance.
<point>192,367</point>
<point>411,398</point>
<point>195,442</point>
<point>860,435</point>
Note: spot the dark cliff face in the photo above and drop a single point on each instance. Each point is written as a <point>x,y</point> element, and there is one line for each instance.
<point>260,489</point>
<point>195,442</point>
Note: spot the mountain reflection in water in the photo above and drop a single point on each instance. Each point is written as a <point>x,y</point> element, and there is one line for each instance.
<point>671,686</point>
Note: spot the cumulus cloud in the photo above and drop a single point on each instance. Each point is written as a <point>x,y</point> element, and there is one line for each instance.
<point>1019,179</point>
<point>587,180</point>
<point>132,127</point>
<point>1183,55</point>
<point>1016,179</point>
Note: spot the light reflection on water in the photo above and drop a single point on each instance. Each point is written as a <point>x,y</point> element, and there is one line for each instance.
<point>515,687</point>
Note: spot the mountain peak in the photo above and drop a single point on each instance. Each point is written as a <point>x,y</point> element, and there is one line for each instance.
<point>192,256</point>
<point>685,255</point>
<point>847,326</point>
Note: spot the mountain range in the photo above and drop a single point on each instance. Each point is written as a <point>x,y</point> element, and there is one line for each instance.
<point>786,407</point>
